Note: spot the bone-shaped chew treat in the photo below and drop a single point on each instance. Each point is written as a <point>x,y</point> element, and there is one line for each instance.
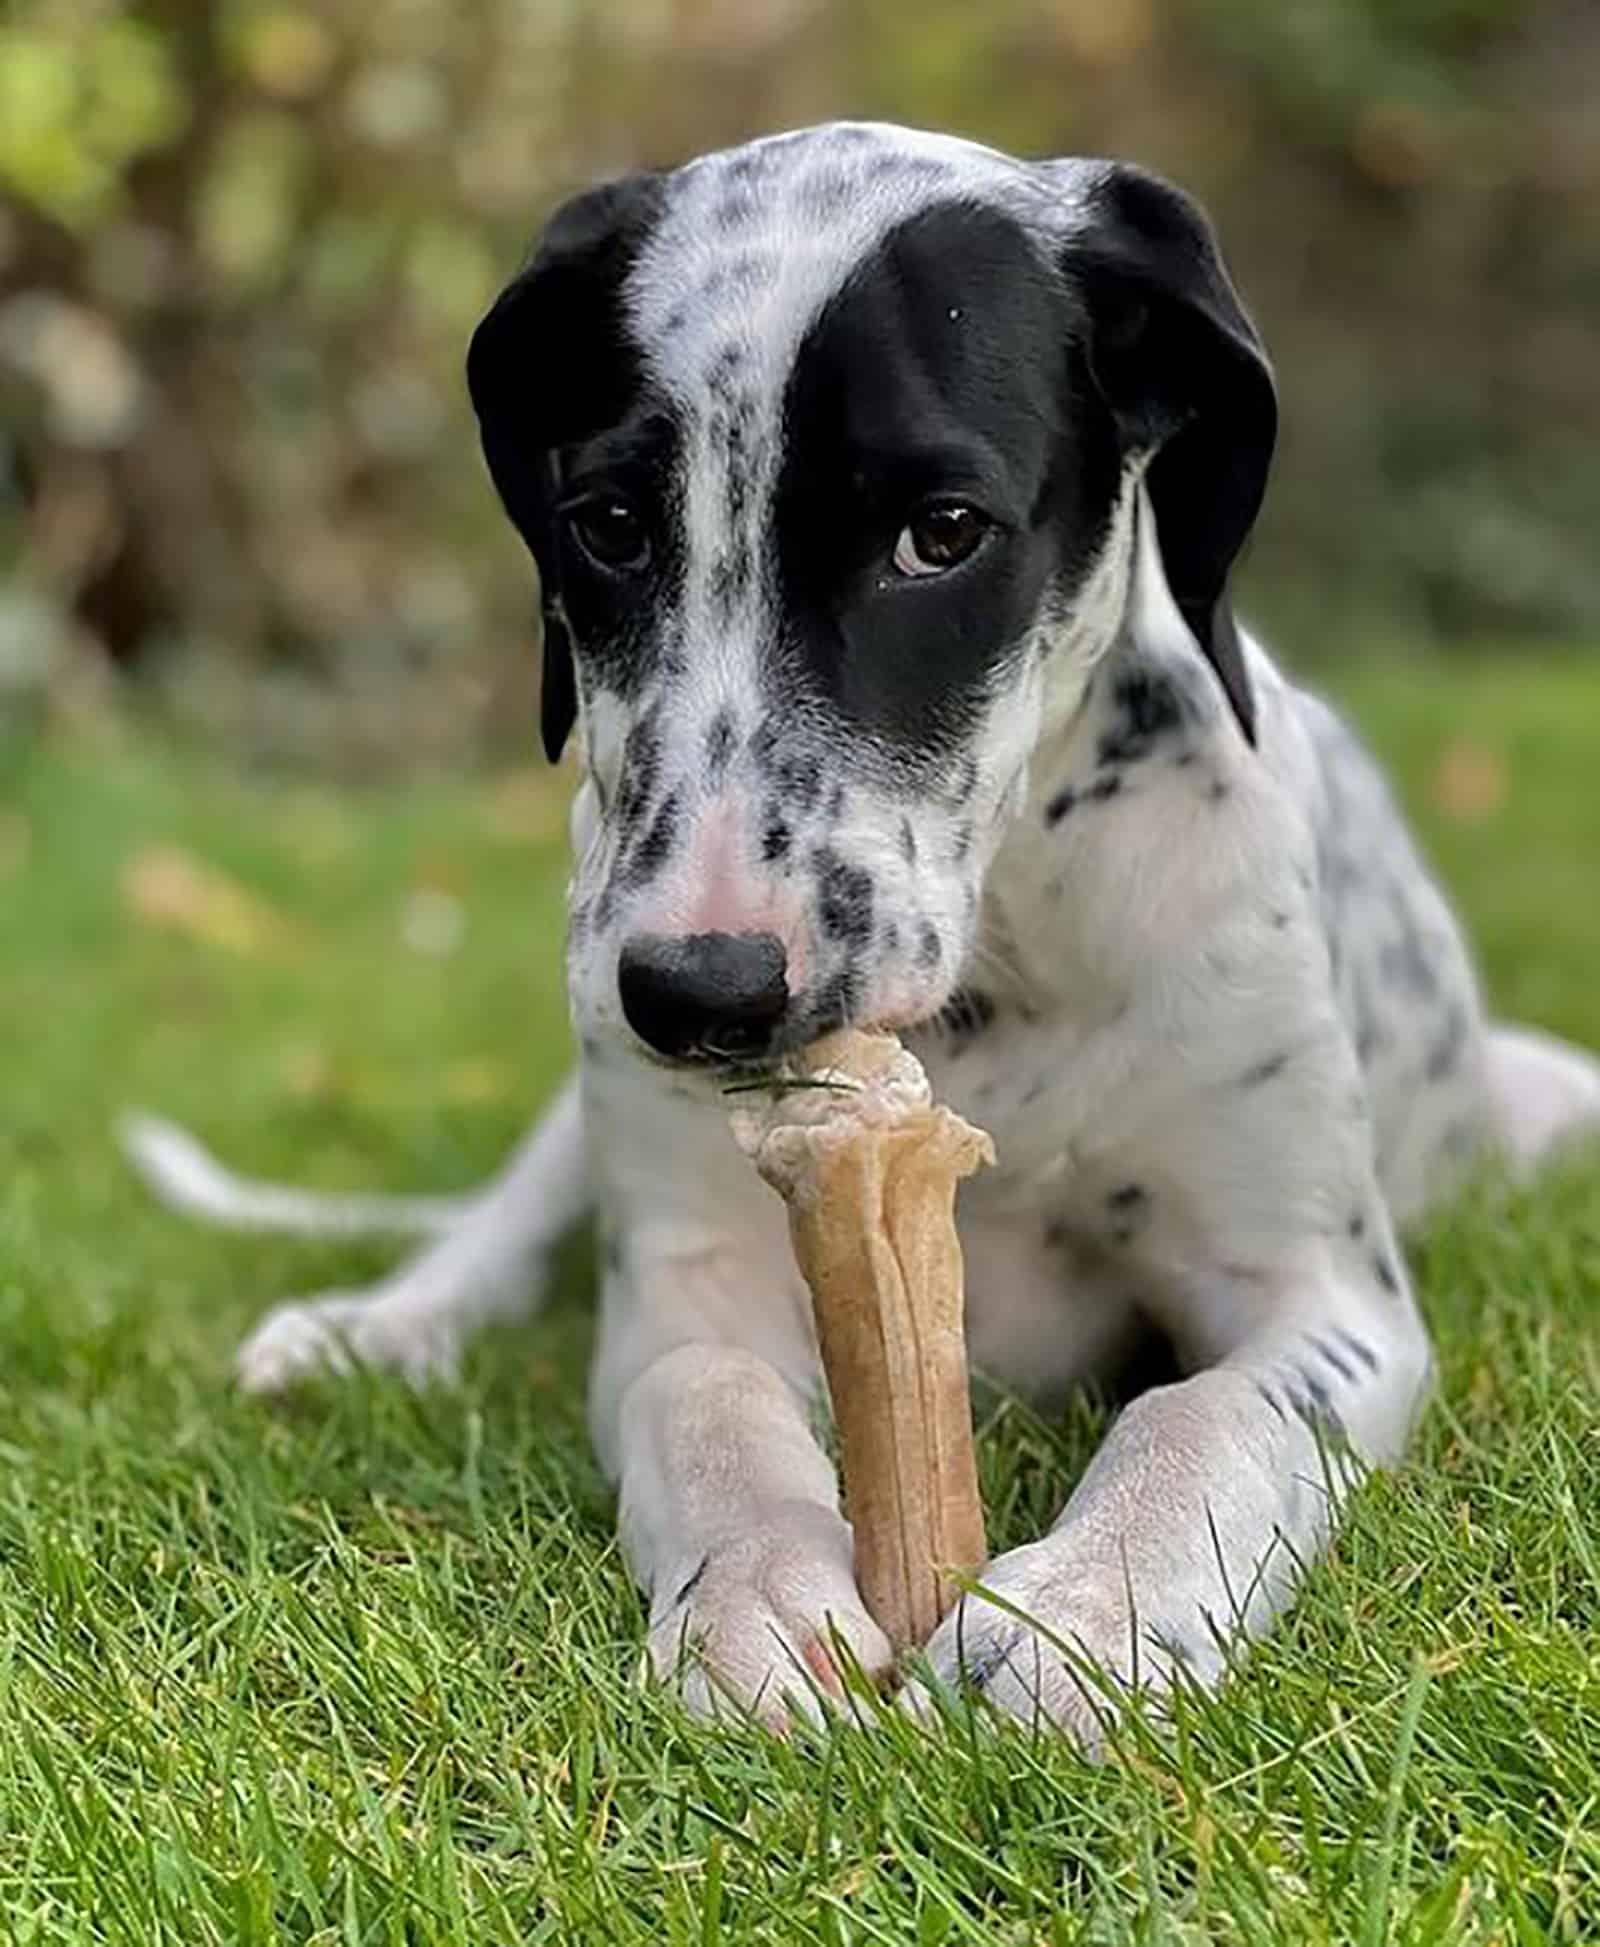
<point>868,1164</point>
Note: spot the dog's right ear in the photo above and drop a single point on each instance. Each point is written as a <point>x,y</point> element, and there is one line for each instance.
<point>1186,377</point>
<point>550,364</point>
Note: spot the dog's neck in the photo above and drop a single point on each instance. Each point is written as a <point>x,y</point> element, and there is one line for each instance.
<point>1124,682</point>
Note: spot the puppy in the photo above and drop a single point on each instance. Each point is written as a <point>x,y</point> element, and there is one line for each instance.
<point>884,492</point>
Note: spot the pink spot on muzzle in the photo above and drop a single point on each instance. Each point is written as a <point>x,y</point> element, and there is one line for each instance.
<point>718,886</point>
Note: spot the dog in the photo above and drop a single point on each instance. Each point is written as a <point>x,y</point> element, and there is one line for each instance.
<point>884,492</point>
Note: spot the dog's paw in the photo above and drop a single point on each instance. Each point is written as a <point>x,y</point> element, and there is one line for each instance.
<point>767,1626</point>
<point>1049,1640</point>
<point>343,1330</point>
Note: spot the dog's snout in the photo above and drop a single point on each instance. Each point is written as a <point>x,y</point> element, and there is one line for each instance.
<point>704,993</point>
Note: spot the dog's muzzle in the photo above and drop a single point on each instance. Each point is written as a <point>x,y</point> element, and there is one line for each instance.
<point>705,996</point>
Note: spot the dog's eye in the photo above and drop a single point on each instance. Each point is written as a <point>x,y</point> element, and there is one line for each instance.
<point>938,537</point>
<point>611,533</point>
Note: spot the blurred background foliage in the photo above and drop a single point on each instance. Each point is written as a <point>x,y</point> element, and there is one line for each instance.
<point>243,242</point>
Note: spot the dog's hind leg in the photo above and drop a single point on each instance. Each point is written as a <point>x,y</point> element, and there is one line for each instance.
<point>1545,1092</point>
<point>489,1266</point>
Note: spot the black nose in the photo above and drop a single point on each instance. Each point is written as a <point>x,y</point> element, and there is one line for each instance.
<point>704,993</point>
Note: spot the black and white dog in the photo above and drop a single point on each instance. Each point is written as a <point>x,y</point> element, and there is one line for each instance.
<point>884,492</point>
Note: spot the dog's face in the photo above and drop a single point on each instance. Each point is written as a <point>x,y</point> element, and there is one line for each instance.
<point>826,449</point>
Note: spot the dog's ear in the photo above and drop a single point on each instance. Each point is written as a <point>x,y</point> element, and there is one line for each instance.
<point>1187,380</point>
<point>550,364</point>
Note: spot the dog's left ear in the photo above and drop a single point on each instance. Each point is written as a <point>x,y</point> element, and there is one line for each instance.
<point>1187,380</point>
<point>550,364</point>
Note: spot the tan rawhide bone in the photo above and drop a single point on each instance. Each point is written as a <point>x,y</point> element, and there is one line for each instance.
<point>868,1164</point>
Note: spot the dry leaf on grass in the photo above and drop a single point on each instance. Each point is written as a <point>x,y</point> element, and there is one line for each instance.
<point>165,886</point>
<point>476,1080</point>
<point>1470,783</point>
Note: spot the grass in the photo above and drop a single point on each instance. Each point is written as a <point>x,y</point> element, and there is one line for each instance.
<point>364,1669</point>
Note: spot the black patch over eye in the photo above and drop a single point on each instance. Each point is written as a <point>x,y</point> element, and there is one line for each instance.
<point>611,532</point>
<point>939,536</point>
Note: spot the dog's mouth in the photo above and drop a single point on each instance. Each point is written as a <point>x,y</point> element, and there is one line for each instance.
<point>730,1068</point>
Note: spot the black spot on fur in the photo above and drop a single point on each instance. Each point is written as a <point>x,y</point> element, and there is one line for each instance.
<point>930,948</point>
<point>1129,1206</point>
<point>1148,707</point>
<point>655,848</point>
<point>835,1002</point>
<point>963,845</point>
<point>776,838</point>
<point>799,782</point>
<point>641,768</point>
<point>827,195</point>
<point>1370,1038</point>
<point>908,842</point>
<point>965,1015</point>
<point>1218,789</point>
<point>1386,1275</point>
<point>734,211</point>
<point>844,898</point>
<point>749,165</point>
<point>1444,1051</point>
<point>836,800</point>
<point>765,741</point>
<point>1357,1226</point>
<point>730,575</point>
<point>1105,787</point>
<point>720,740</point>
<point>1264,1071</point>
<point>1060,805</point>
<point>1404,961</point>
<point>725,368</point>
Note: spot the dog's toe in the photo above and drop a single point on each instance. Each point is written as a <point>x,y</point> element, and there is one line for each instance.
<point>1047,1640</point>
<point>767,1630</point>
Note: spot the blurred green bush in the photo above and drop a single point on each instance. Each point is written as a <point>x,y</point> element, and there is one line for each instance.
<point>242,244</point>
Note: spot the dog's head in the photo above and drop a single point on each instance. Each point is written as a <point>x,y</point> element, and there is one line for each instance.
<point>828,450</point>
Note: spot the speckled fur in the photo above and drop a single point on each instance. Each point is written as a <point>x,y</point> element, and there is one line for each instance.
<point>1215,1012</point>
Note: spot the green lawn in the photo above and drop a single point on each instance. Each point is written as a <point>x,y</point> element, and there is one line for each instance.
<point>364,1670</point>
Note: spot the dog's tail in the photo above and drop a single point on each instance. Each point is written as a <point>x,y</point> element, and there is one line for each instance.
<point>183,1173</point>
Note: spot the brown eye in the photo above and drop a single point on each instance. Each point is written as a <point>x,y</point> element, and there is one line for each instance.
<point>939,537</point>
<point>611,533</point>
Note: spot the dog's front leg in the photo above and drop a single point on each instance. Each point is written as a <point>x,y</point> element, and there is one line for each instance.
<point>1192,1523</point>
<point>730,1521</point>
